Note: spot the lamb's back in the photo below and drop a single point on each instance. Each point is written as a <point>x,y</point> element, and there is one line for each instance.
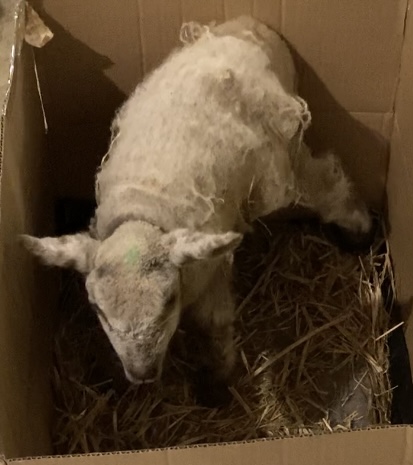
<point>189,125</point>
<point>192,140</point>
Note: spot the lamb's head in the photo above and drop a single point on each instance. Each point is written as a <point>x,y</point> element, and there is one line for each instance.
<point>133,279</point>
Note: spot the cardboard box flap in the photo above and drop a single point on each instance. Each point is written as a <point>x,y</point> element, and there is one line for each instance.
<point>12,35</point>
<point>25,206</point>
<point>386,446</point>
<point>400,182</point>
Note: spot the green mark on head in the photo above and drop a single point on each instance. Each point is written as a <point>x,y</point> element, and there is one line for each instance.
<point>132,256</point>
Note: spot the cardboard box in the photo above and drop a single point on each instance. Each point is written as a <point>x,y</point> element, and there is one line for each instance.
<point>355,61</point>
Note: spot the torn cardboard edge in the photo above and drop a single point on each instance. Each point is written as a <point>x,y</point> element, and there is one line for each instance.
<point>19,19</point>
<point>37,33</point>
<point>28,26</point>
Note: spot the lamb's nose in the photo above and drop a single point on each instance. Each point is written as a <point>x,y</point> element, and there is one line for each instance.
<point>141,376</point>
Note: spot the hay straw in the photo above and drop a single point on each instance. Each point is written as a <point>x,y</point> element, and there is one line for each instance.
<point>312,342</point>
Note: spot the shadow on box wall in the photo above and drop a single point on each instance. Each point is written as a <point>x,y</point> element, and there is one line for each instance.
<point>79,131</point>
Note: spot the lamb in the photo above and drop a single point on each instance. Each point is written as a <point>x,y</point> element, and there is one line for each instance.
<point>209,142</point>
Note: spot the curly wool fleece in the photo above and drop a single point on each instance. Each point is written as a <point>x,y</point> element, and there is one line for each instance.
<point>213,120</point>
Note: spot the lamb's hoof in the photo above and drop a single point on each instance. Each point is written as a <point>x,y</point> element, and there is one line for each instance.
<point>350,241</point>
<point>210,392</point>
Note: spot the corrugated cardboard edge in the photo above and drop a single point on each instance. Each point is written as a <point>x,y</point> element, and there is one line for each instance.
<point>148,452</point>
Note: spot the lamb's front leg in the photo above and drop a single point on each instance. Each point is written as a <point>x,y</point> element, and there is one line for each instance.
<point>213,341</point>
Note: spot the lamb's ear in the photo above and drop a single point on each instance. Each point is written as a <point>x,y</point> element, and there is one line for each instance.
<point>186,246</point>
<point>75,251</point>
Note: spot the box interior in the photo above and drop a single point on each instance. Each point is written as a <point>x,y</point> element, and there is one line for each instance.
<point>354,60</point>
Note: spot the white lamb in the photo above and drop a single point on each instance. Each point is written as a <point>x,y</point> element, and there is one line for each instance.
<point>207,143</point>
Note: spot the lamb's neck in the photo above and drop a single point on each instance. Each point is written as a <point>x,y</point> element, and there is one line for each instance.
<point>139,204</point>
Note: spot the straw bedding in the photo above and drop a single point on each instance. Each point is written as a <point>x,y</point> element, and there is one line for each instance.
<point>311,336</point>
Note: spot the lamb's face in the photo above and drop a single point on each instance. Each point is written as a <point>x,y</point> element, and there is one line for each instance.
<point>136,291</point>
<point>133,280</point>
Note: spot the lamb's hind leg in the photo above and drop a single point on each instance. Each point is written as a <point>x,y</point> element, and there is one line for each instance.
<point>324,187</point>
<point>212,341</point>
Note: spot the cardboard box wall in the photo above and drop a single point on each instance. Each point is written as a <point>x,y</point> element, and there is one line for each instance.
<point>355,62</point>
